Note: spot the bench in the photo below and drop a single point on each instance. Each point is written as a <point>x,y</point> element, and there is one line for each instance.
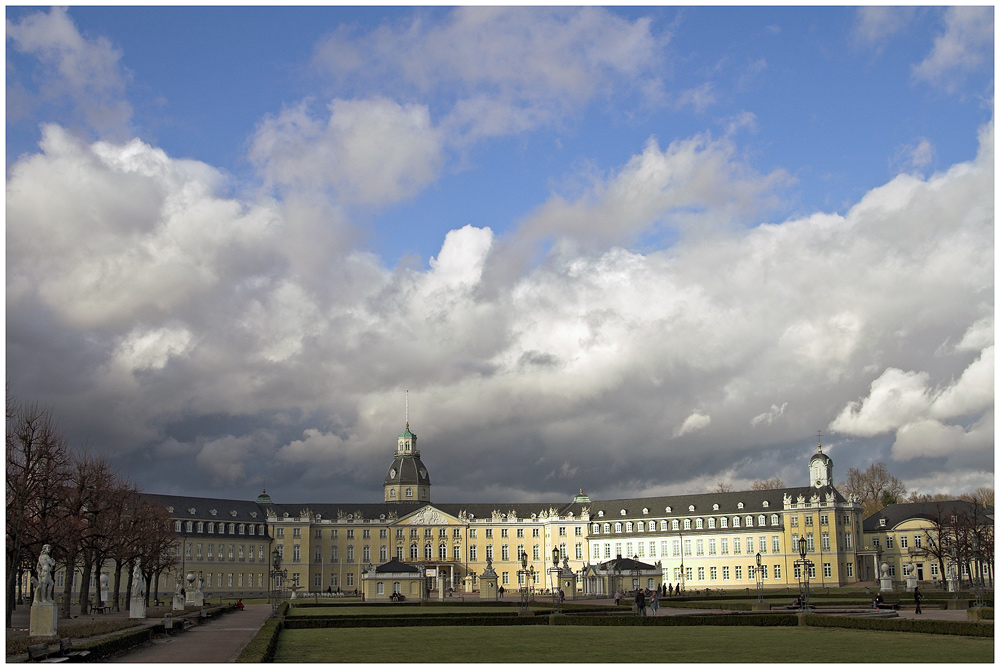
<point>66,650</point>
<point>39,652</point>
<point>892,604</point>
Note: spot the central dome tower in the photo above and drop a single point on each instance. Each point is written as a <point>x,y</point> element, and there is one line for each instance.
<point>407,479</point>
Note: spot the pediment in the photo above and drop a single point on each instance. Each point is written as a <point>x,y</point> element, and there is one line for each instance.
<point>429,515</point>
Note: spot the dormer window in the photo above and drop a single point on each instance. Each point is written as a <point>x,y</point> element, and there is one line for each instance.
<point>739,505</point>
<point>691,507</point>
<point>715,507</point>
<point>765,504</point>
<point>600,514</point>
<point>623,512</point>
<point>668,509</point>
<point>645,511</point>
<point>881,522</point>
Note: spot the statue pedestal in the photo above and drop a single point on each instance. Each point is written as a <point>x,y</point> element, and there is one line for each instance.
<point>885,585</point>
<point>178,602</point>
<point>137,608</point>
<point>44,617</point>
<point>911,583</point>
<point>197,598</point>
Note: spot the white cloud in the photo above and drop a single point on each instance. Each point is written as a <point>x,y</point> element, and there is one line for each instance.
<point>874,25</point>
<point>371,151</point>
<point>965,45</point>
<point>151,349</point>
<point>768,417</point>
<point>507,69</point>
<point>86,73</point>
<point>696,422</point>
<point>699,98</point>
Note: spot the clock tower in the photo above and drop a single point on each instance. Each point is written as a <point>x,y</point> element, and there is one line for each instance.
<point>820,469</point>
<point>407,479</point>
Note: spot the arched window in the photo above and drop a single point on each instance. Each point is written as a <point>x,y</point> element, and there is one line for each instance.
<point>428,552</point>
<point>736,521</point>
<point>628,526</point>
<point>618,527</point>
<point>641,526</point>
<point>392,493</point>
<point>607,528</point>
<point>674,524</point>
<point>687,523</point>
<point>663,525</point>
<point>749,521</point>
<point>409,493</point>
<point>379,588</point>
<point>414,554</point>
<point>711,523</point>
<point>723,522</point>
<point>699,524</point>
<point>443,552</point>
<point>761,520</point>
<point>190,526</point>
<point>597,528</point>
<point>774,519</point>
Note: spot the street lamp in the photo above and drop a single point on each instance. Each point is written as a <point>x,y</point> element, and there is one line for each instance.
<point>618,574</point>
<point>804,566</point>
<point>760,581</point>
<point>977,573</point>
<point>525,589</point>
<point>276,577</point>
<point>554,577</point>
<point>636,572</point>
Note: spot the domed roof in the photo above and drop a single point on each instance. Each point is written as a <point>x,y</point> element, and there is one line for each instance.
<point>407,470</point>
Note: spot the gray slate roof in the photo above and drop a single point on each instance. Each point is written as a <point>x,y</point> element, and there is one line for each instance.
<point>895,514</point>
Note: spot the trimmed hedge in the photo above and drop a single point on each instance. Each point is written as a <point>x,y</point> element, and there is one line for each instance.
<point>261,647</point>
<point>483,620</point>
<point>953,627</point>
<point>761,620</point>
<point>119,644</point>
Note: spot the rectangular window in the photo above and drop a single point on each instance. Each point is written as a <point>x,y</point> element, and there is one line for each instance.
<point>725,573</point>
<point>825,541</point>
<point>628,549</point>
<point>505,578</point>
<point>701,573</point>
<point>296,533</point>
<point>724,546</point>
<point>489,533</point>
<point>775,544</point>
<point>472,533</point>
<point>652,549</point>
<point>505,552</point>
<point>296,553</point>
<point>536,555</point>
<point>916,540</point>
<point>642,549</point>
<point>366,553</point>
<point>777,572</point>
<point>888,541</point>
<point>809,521</point>
<point>198,551</point>
<point>520,533</point>
<point>850,570</point>
<point>472,553</point>
<point>763,572</point>
<point>934,569</point>
<point>687,547</point>
<point>699,547</point>
<point>578,531</point>
<point>762,544</point>
<point>317,580</point>
<point>713,573</point>
<point>824,519</point>
<point>810,542</point>
<point>534,532</point>
<point>676,547</point>
<point>847,540</point>
<point>738,573</point>
<point>827,571</point>
<point>711,546</point>
<point>350,579</point>
<point>736,547</point>
<point>687,574</point>
<point>794,521</point>
<point>503,533</point>
<point>350,553</point>
<point>607,551</point>
<point>242,553</point>
<point>579,551</point>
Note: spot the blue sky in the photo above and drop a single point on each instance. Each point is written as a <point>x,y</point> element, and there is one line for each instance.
<point>600,236</point>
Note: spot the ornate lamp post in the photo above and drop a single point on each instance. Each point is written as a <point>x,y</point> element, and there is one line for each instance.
<point>618,574</point>
<point>528,576</point>
<point>804,566</point>
<point>977,573</point>
<point>760,582</point>
<point>554,577</point>
<point>636,572</point>
<point>953,571</point>
<point>277,576</point>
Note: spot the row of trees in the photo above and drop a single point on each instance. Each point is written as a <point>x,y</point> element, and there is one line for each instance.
<point>875,488</point>
<point>960,534</point>
<point>87,512</point>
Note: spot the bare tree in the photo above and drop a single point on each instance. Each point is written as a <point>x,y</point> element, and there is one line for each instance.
<point>37,469</point>
<point>768,484</point>
<point>982,496</point>
<point>721,486</point>
<point>875,488</point>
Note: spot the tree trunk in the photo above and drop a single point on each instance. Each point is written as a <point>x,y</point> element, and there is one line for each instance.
<point>118,583</point>
<point>128,589</point>
<point>68,587</point>
<point>85,572</point>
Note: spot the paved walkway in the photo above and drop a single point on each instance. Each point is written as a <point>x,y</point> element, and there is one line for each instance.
<point>216,641</point>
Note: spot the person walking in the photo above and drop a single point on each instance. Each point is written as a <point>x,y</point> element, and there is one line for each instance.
<point>916,598</point>
<point>640,602</point>
<point>654,602</point>
<point>618,596</point>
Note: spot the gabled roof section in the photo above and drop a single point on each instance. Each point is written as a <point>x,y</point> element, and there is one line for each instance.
<point>210,509</point>
<point>706,504</point>
<point>394,566</point>
<point>897,514</point>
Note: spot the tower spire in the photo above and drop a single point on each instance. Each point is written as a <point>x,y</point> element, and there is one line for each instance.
<point>819,437</point>
<point>407,409</point>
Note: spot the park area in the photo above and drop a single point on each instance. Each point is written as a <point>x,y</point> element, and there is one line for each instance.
<point>713,629</point>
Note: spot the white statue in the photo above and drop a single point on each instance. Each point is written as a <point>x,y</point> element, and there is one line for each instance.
<point>44,587</point>
<point>138,581</point>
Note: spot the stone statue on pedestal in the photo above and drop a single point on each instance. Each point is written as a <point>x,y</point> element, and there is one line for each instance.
<point>137,604</point>
<point>44,614</point>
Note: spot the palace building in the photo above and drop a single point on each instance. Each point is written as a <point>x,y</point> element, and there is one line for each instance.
<point>705,540</point>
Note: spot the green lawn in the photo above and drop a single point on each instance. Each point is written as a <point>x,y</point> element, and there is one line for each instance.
<point>395,609</point>
<point>625,644</point>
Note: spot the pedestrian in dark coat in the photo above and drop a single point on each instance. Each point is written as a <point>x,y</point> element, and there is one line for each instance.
<point>916,598</point>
